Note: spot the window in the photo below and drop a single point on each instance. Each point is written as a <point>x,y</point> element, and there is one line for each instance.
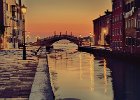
<point>126,26</point>
<point>135,22</point>
<point>138,24</point>
<point>128,41</point>
<point>117,31</point>
<point>129,6</point>
<point>113,32</point>
<point>132,4</point>
<point>13,10</point>
<point>132,23</point>
<point>120,3</point>
<point>120,31</point>
<point>120,16</point>
<point>6,6</point>
<point>138,42</point>
<point>133,40</point>
<point>129,23</point>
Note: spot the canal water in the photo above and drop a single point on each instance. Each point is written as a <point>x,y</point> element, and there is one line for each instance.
<point>82,76</point>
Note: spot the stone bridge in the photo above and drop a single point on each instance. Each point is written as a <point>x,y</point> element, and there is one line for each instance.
<point>52,39</point>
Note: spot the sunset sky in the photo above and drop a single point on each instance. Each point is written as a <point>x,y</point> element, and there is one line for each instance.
<point>46,16</point>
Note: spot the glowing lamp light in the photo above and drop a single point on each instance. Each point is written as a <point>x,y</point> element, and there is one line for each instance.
<point>28,36</point>
<point>104,31</point>
<point>90,34</point>
<point>37,37</point>
<point>80,35</point>
<point>15,28</point>
<point>23,9</point>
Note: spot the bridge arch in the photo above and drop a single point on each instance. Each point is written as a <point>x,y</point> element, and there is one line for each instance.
<point>50,40</point>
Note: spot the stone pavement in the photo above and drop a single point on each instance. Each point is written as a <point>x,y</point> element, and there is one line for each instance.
<point>41,88</point>
<point>16,75</point>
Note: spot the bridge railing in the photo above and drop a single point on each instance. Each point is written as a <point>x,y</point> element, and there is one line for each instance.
<point>55,37</point>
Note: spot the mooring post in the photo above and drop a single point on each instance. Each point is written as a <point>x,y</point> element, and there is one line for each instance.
<point>60,33</point>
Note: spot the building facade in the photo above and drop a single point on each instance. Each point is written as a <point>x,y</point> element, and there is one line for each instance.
<point>102,26</point>
<point>10,24</point>
<point>118,27</point>
<point>132,26</point>
<point>123,27</point>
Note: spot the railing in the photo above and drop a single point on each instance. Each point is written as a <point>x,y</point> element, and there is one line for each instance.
<point>51,39</point>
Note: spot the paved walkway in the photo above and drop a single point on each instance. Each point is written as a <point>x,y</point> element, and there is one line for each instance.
<point>16,75</point>
<point>41,88</point>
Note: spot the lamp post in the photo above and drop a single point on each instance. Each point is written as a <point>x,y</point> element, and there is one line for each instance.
<point>27,38</point>
<point>14,37</point>
<point>80,36</point>
<point>23,11</point>
<point>104,34</point>
<point>93,39</point>
<point>90,35</point>
<point>37,38</point>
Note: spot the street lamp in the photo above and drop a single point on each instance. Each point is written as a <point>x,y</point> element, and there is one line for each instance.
<point>80,36</point>
<point>15,37</point>
<point>104,31</point>
<point>37,38</point>
<point>23,11</point>
<point>27,38</point>
<point>104,34</point>
<point>91,36</point>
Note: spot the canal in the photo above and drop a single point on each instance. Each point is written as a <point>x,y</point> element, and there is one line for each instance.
<point>82,76</point>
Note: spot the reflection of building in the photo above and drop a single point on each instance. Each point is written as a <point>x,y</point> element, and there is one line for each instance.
<point>101,28</point>
<point>132,26</point>
<point>10,24</point>
<point>125,80</point>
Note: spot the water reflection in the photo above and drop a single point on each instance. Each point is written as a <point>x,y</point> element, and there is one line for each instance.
<point>79,76</point>
<point>125,79</point>
<point>92,72</point>
<point>105,77</point>
<point>80,64</point>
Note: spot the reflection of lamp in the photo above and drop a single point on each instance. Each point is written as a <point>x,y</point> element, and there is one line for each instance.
<point>105,77</point>
<point>23,11</point>
<point>80,59</point>
<point>92,81</point>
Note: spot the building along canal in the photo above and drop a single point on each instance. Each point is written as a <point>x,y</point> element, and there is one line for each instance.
<point>81,76</point>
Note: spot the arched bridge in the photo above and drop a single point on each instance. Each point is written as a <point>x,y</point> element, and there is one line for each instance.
<point>52,39</point>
